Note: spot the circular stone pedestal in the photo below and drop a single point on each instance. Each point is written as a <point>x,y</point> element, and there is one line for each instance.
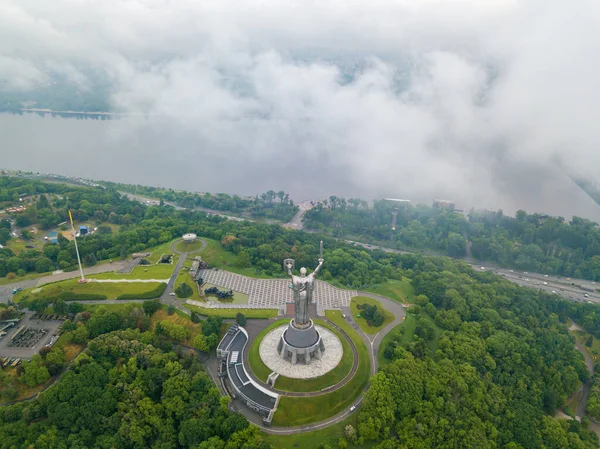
<point>317,367</point>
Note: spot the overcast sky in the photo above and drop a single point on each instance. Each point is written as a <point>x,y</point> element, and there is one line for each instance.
<point>471,100</point>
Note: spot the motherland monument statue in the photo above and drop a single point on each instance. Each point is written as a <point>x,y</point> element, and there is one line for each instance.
<point>303,287</point>
<point>301,340</point>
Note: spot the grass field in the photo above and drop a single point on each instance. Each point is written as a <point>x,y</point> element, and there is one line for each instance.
<point>184,276</point>
<point>216,256</point>
<point>363,323</point>
<point>410,323</point>
<point>111,290</point>
<point>157,251</point>
<point>156,271</point>
<point>334,376</point>
<point>231,313</point>
<point>183,247</point>
<point>293,411</point>
<point>328,436</point>
<point>399,291</point>
<point>18,245</point>
<point>238,298</point>
<point>257,366</point>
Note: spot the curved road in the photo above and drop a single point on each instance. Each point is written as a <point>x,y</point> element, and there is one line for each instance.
<point>372,341</point>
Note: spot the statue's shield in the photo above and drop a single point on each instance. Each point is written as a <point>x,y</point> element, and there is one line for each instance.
<point>287,262</point>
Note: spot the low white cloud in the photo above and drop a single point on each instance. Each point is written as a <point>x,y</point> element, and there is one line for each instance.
<point>446,98</point>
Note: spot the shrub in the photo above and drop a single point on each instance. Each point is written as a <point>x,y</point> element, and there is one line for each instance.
<point>151,306</point>
<point>184,291</point>
<point>240,318</point>
<point>70,296</point>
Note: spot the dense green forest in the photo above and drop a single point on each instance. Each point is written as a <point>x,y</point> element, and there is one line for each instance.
<point>129,389</point>
<point>271,204</point>
<point>502,363</point>
<point>487,365</point>
<point>532,242</point>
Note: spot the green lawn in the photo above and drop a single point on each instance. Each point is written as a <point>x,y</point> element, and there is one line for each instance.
<point>334,376</point>
<point>238,298</point>
<point>410,323</point>
<point>184,276</point>
<point>183,247</point>
<point>330,436</point>
<point>231,313</point>
<point>157,251</point>
<point>294,411</point>
<point>215,256</point>
<point>399,291</point>
<point>156,271</point>
<point>18,245</point>
<point>363,323</point>
<point>111,290</point>
<point>257,366</point>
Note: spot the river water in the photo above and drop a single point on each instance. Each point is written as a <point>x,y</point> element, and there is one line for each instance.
<point>171,152</point>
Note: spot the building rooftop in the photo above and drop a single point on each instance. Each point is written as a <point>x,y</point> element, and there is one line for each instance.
<point>239,377</point>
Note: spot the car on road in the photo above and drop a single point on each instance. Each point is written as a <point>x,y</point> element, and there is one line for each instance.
<point>545,275</point>
<point>586,295</point>
<point>483,268</point>
<point>553,291</point>
<point>172,294</point>
<point>352,408</point>
<point>17,290</point>
<point>545,283</point>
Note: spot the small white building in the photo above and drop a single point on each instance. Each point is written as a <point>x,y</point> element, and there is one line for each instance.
<point>189,238</point>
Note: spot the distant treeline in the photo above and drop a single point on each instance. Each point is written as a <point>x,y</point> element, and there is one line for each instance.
<point>532,242</point>
<point>271,204</point>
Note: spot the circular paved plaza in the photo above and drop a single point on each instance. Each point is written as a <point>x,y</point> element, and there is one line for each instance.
<point>331,356</point>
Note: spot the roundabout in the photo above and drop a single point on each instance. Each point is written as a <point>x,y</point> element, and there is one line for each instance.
<point>188,245</point>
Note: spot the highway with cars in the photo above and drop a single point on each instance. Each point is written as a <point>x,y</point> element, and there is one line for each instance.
<point>579,290</point>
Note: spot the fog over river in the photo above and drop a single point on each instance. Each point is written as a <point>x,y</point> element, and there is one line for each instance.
<point>160,151</point>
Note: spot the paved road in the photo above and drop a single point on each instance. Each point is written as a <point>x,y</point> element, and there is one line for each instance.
<point>7,289</point>
<point>551,284</point>
<point>375,339</point>
<point>296,222</point>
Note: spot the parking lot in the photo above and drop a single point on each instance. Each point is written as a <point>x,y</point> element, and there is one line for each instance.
<point>34,327</point>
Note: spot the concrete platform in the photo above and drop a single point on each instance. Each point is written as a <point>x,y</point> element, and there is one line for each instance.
<point>331,357</point>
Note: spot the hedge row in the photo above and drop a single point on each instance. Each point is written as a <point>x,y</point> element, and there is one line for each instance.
<point>70,296</point>
<point>156,293</point>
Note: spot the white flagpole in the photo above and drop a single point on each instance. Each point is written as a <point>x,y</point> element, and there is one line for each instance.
<point>76,248</point>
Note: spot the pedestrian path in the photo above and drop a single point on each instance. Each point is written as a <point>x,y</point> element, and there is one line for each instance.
<point>128,280</point>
